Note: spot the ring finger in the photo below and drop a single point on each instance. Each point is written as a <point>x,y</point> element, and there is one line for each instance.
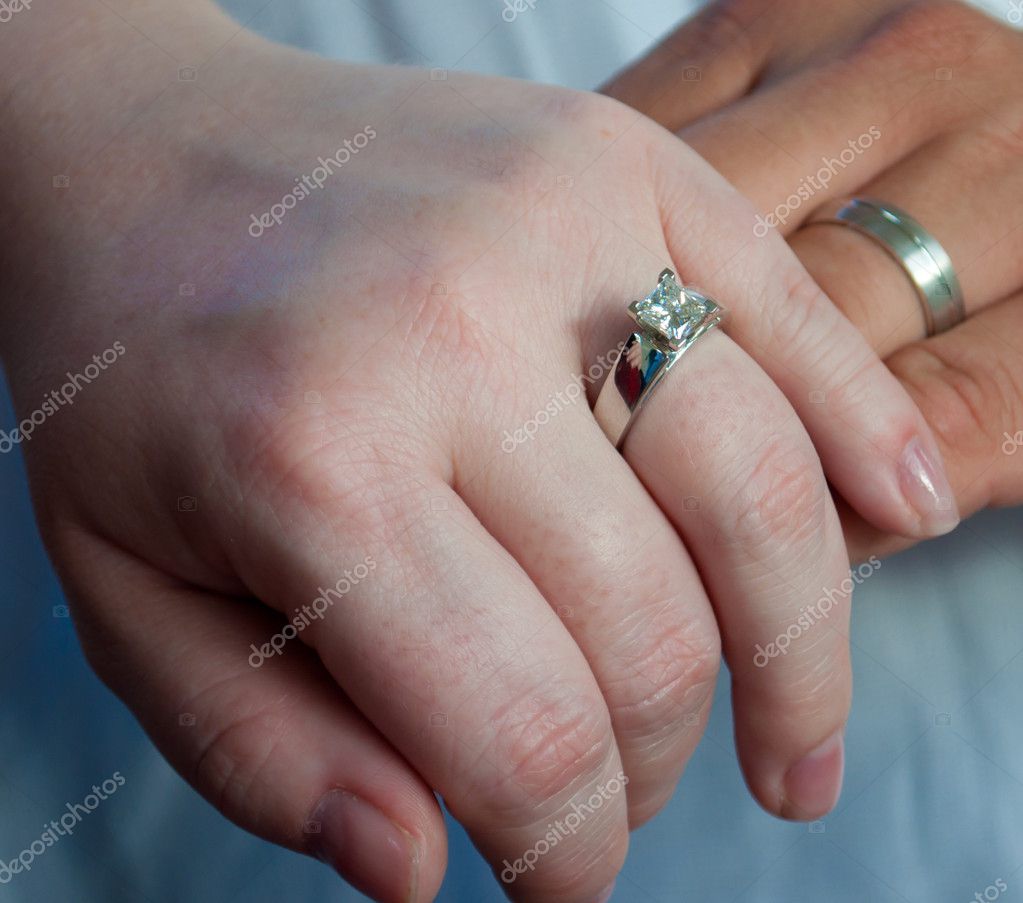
<point>748,495</point>
<point>974,228</point>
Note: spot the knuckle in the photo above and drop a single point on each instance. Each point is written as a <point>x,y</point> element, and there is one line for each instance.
<point>593,113</point>
<point>818,685</point>
<point>918,41</point>
<point>357,473</point>
<point>857,380</point>
<point>816,689</point>
<point>670,667</point>
<point>232,757</point>
<point>593,120</point>
<point>801,315</point>
<point>1001,138</point>
<point>967,407</point>
<point>726,28</point>
<point>783,502</point>
<point>927,31</point>
<point>546,745</point>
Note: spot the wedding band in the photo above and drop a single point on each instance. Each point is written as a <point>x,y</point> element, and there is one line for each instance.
<point>668,323</point>
<point>918,252</point>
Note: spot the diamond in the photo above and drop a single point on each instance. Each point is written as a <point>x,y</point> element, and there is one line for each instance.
<point>671,311</point>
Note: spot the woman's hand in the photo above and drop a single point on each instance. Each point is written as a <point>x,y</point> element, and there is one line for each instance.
<point>916,103</point>
<point>312,372</point>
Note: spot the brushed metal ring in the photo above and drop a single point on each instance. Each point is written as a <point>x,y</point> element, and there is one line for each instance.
<point>918,252</point>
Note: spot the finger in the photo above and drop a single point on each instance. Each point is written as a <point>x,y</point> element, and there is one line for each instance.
<point>977,229</point>
<point>708,62</point>
<point>827,130</point>
<point>876,448</point>
<point>276,748</point>
<point>446,645</point>
<point>767,540</point>
<point>969,384</point>
<point>733,47</point>
<point>567,506</point>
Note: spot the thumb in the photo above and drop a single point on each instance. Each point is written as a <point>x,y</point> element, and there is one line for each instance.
<point>968,383</point>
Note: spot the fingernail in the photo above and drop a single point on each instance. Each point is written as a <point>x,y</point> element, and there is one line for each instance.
<point>605,894</point>
<point>365,847</point>
<point>926,487</point>
<point>813,784</point>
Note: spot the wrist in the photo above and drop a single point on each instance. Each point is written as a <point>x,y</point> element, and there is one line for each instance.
<point>95,124</point>
<point>74,74</point>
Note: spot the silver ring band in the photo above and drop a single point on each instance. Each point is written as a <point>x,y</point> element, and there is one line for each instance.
<point>918,252</point>
<point>669,321</point>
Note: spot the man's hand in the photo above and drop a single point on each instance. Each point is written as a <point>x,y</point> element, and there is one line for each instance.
<point>916,103</point>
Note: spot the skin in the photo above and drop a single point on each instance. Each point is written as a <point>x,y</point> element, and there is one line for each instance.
<point>531,626</point>
<point>782,86</point>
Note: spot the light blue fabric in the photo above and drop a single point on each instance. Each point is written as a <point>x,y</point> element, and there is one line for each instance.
<point>933,804</point>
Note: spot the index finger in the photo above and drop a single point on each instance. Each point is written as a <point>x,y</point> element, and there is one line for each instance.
<point>449,649</point>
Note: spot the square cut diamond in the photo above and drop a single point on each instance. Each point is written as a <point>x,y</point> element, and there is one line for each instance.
<point>671,311</point>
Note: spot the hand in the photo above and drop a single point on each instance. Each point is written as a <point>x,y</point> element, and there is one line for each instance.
<point>297,411</point>
<point>913,102</point>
